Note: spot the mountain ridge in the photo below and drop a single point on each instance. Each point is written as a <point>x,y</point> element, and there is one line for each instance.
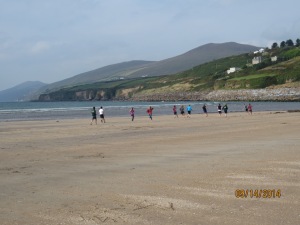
<point>275,81</point>
<point>142,68</point>
<point>132,69</point>
<point>20,92</point>
<point>199,56</point>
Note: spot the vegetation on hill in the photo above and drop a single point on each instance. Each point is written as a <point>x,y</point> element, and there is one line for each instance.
<point>202,78</point>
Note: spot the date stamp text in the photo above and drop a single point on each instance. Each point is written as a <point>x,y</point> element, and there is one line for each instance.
<point>258,193</point>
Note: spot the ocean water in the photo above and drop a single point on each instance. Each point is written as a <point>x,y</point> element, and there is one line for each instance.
<point>10,111</point>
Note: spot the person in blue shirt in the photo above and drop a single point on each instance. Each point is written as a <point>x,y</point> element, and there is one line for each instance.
<point>189,110</point>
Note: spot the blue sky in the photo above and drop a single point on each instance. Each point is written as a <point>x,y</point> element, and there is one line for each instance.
<point>50,40</point>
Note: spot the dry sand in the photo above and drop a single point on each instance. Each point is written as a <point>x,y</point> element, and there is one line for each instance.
<point>165,171</point>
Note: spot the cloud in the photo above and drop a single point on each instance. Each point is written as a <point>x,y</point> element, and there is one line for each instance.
<point>224,2</point>
<point>3,56</point>
<point>39,47</point>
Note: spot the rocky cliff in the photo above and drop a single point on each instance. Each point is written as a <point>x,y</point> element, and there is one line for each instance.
<point>280,94</point>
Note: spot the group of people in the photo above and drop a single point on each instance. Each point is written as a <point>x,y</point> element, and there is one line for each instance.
<point>149,111</point>
<point>204,108</point>
<point>182,111</point>
<point>94,115</point>
<point>248,108</point>
<point>224,108</point>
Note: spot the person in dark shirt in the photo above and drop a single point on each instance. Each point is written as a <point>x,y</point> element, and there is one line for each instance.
<point>94,115</point>
<point>204,109</point>
<point>225,109</point>
<point>220,109</point>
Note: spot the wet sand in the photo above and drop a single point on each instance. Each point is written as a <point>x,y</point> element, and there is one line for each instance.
<point>165,171</point>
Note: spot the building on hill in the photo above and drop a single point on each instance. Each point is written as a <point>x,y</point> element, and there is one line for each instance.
<point>256,60</point>
<point>233,69</point>
<point>259,51</point>
<point>274,58</point>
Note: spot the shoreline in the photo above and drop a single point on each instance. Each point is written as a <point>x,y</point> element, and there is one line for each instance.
<point>65,110</point>
<point>144,116</point>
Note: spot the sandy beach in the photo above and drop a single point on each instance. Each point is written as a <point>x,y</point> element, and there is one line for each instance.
<point>160,172</point>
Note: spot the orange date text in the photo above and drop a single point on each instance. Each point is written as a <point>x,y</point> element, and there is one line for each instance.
<point>257,193</point>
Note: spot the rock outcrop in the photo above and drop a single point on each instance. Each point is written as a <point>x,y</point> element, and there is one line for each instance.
<point>281,94</point>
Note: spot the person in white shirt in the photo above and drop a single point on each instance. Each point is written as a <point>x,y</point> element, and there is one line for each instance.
<point>101,113</point>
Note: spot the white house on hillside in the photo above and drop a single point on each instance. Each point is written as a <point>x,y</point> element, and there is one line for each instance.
<point>274,58</point>
<point>259,51</point>
<point>256,60</point>
<point>233,69</point>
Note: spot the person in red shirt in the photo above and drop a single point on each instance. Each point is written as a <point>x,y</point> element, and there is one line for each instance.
<point>175,112</point>
<point>150,111</point>
<point>250,109</point>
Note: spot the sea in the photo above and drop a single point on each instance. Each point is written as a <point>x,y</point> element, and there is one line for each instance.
<point>23,111</point>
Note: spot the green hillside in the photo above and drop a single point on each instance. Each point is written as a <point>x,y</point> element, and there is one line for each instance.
<point>203,78</point>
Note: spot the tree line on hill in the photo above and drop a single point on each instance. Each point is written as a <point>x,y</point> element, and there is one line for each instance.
<point>285,51</point>
<point>287,43</point>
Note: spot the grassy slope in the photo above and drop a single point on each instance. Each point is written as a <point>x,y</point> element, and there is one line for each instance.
<point>276,74</point>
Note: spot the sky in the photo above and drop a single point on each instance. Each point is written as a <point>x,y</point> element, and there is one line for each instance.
<point>51,40</point>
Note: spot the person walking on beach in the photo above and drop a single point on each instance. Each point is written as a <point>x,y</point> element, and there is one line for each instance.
<point>250,109</point>
<point>94,115</point>
<point>225,109</point>
<point>189,110</point>
<point>150,111</point>
<point>175,111</point>
<point>220,109</point>
<point>132,113</point>
<point>182,110</point>
<point>246,108</point>
<point>101,114</point>
<point>204,108</point>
